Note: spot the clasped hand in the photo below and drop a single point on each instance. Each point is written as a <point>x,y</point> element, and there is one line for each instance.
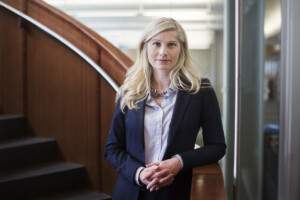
<point>161,174</point>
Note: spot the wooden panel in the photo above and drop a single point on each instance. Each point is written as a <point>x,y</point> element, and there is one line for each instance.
<point>63,92</point>
<point>109,174</point>
<point>65,28</point>
<point>17,4</point>
<point>208,183</point>
<point>82,37</point>
<point>11,64</point>
<point>63,101</point>
<point>111,59</point>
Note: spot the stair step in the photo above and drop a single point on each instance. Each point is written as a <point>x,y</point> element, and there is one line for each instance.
<point>11,126</point>
<point>82,194</point>
<point>23,151</point>
<point>40,179</point>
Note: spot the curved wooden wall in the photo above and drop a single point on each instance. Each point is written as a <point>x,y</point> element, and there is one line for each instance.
<point>60,95</point>
<point>11,63</point>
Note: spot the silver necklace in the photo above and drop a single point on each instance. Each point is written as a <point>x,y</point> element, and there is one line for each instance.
<point>157,94</point>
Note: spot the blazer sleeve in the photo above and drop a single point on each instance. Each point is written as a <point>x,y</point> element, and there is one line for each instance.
<point>213,135</point>
<point>115,149</point>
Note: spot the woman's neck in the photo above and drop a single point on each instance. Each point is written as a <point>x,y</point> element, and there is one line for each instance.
<point>161,82</point>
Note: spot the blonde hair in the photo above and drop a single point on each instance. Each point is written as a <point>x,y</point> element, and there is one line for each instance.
<point>137,84</point>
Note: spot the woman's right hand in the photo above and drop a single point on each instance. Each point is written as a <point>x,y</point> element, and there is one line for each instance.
<point>155,178</point>
<point>146,173</point>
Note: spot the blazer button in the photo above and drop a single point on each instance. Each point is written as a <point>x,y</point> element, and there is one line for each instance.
<point>143,188</point>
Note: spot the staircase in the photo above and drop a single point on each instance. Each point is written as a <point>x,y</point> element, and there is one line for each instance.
<point>29,168</point>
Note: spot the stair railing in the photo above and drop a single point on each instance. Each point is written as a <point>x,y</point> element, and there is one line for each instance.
<point>50,32</point>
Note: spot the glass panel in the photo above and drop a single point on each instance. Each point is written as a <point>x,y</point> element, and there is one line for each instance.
<point>259,100</point>
<point>272,29</point>
<point>251,101</point>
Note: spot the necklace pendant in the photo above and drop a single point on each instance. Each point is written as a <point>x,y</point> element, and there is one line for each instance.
<point>156,94</point>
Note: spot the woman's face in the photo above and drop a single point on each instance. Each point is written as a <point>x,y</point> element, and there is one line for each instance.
<point>163,51</point>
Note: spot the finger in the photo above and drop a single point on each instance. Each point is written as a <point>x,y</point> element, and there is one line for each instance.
<point>152,164</point>
<point>166,179</point>
<point>145,175</point>
<point>161,173</point>
<point>152,183</point>
<point>148,174</point>
<point>165,184</point>
<point>153,188</point>
<point>153,175</point>
<point>158,186</point>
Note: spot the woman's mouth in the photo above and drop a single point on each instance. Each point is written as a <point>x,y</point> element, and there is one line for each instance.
<point>163,60</point>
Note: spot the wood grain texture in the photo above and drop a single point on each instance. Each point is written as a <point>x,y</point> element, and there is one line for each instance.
<point>63,101</point>
<point>108,173</point>
<point>208,183</point>
<point>11,64</point>
<point>111,59</point>
<point>17,4</point>
<point>115,63</point>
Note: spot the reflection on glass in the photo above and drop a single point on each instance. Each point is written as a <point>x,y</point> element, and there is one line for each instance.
<point>271,99</point>
<point>257,161</point>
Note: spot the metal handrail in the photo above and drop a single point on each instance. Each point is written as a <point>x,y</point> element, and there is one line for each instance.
<point>238,6</point>
<point>66,43</point>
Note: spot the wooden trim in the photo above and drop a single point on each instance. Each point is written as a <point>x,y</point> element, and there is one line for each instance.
<point>208,183</point>
<point>213,168</point>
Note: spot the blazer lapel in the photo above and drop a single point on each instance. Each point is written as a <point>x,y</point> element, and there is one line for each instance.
<point>139,120</point>
<point>179,110</point>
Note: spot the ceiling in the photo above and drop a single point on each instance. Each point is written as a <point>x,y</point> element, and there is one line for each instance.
<point>272,25</point>
<point>121,21</point>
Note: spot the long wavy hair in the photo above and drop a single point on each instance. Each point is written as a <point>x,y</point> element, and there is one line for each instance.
<point>137,84</point>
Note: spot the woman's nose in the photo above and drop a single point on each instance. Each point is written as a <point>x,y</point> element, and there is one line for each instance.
<point>163,50</point>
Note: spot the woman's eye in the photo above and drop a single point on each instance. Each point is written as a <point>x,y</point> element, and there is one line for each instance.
<point>172,44</point>
<point>156,44</point>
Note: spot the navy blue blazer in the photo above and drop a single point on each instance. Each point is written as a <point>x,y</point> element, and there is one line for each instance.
<point>124,149</point>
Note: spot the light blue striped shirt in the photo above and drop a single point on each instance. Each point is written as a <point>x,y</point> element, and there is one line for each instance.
<point>156,127</point>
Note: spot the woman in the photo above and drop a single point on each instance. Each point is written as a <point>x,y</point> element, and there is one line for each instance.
<point>161,106</point>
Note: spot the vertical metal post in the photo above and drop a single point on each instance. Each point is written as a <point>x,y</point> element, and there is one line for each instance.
<point>237,96</point>
<point>289,161</point>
